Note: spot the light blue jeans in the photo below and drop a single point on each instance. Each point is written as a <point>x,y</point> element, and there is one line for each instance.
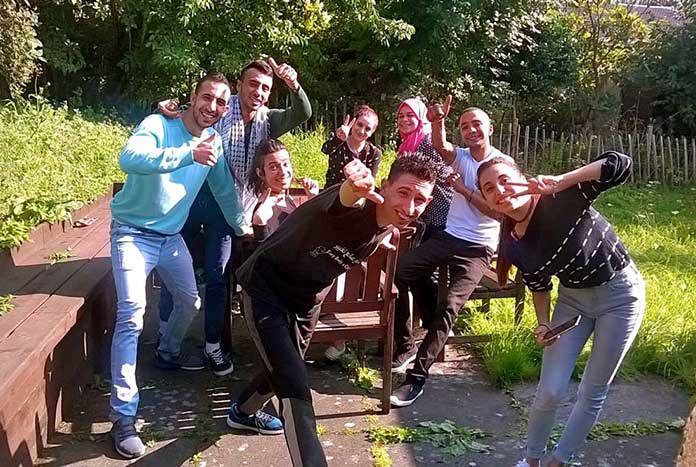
<point>134,254</point>
<point>612,311</point>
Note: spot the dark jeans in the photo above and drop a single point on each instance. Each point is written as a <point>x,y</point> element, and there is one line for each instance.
<point>217,236</point>
<point>282,336</point>
<point>467,262</point>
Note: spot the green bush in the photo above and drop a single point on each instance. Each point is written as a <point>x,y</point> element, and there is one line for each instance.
<point>52,160</point>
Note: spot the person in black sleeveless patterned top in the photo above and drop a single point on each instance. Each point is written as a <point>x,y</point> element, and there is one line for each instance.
<point>551,229</point>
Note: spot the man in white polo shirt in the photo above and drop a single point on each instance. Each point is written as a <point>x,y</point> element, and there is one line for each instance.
<point>466,246</point>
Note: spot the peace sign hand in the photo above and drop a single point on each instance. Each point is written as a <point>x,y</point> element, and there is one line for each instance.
<point>286,73</point>
<point>539,185</point>
<point>437,112</point>
<point>344,130</point>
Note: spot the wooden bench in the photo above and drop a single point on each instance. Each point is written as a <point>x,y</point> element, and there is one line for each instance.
<point>57,333</point>
<point>365,308</point>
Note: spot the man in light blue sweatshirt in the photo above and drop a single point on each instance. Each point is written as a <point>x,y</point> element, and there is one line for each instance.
<point>167,162</point>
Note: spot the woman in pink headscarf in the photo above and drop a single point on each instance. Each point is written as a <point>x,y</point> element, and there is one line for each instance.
<point>415,131</point>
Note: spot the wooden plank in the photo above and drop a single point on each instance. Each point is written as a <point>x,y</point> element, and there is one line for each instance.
<point>16,275</point>
<point>34,294</point>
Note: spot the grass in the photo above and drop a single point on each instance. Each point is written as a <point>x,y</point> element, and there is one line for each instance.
<point>658,225</point>
<point>52,161</point>
<point>6,304</point>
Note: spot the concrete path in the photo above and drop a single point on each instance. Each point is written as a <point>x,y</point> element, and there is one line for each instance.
<point>183,417</point>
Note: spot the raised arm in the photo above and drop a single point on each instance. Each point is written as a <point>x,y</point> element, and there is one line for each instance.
<point>283,120</point>
<point>609,170</point>
<point>437,114</point>
<point>143,153</point>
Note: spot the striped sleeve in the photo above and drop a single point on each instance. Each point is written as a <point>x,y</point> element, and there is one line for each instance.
<point>615,170</point>
<point>537,282</point>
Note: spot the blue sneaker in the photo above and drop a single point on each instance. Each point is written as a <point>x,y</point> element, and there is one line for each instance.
<point>260,422</point>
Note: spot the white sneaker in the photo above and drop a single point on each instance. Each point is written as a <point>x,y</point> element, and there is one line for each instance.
<point>522,463</point>
<point>333,353</point>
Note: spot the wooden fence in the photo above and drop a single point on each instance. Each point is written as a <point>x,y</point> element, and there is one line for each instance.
<point>657,157</point>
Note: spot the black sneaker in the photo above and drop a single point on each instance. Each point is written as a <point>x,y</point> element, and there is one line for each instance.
<point>403,360</point>
<point>182,362</point>
<point>219,361</point>
<point>406,394</point>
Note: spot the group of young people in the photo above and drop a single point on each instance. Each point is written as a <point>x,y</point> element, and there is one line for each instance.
<point>218,170</point>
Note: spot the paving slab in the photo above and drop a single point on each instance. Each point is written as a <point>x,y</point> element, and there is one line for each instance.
<point>182,416</point>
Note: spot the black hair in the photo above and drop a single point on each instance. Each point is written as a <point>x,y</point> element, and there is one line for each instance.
<point>265,147</point>
<point>213,76</point>
<point>416,164</point>
<point>259,65</point>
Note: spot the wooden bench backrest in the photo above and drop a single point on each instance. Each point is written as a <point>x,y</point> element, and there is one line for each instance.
<point>367,286</point>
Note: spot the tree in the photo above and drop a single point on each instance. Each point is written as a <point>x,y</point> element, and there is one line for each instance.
<point>611,40</point>
<point>668,72</point>
<point>21,50</point>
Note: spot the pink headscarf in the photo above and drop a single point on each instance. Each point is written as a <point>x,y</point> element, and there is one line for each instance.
<point>411,141</point>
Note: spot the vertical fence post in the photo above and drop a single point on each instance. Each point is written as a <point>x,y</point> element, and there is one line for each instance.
<point>509,141</point>
<point>536,143</point>
<point>648,150</point>
<point>526,147</point>
<point>632,153</point>
<point>551,145</point>
<point>686,159</point>
<point>671,159</point>
<point>662,159</point>
<point>693,152</point>
<point>570,152</point>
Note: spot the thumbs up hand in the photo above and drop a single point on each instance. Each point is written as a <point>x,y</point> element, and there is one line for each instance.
<point>205,151</point>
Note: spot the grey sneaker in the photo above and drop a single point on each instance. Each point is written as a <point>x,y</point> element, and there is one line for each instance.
<point>182,362</point>
<point>126,440</point>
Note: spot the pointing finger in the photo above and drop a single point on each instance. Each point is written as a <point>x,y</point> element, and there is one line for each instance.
<point>352,122</point>
<point>346,119</point>
<point>448,102</point>
<point>271,61</point>
<point>375,197</point>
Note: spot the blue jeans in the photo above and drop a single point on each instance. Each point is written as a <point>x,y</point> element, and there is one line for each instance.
<point>134,254</point>
<point>217,237</point>
<point>613,312</point>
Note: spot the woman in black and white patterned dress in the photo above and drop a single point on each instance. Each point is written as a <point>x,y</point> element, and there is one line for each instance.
<point>415,131</point>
